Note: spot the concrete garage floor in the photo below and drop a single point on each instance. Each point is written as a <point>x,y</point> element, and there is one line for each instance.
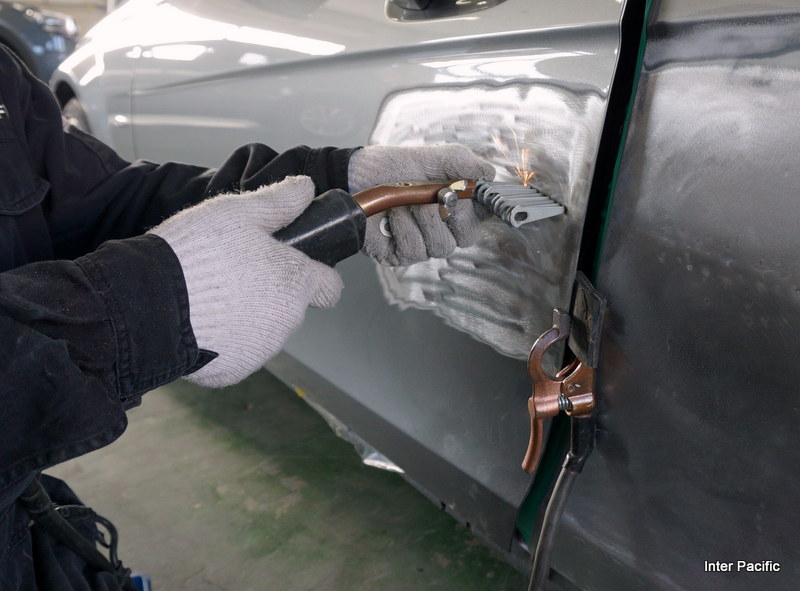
<point>248,488</point>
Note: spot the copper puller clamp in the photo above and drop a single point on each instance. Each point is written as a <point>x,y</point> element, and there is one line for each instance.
<point>571,390</point>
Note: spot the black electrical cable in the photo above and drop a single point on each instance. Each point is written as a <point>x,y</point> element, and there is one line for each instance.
<point>582,431</point>
<point>44,513</point>
<point>544,548</point>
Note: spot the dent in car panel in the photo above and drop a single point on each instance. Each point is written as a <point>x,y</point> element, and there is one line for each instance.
<point>502,290</point>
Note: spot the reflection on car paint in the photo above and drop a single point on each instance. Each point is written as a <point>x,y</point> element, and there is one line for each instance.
<point>503,66</point>
<point>488,289</point>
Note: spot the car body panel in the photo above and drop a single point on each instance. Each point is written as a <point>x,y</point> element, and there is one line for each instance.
<point>99,74</point>
<point>698,445</point>
<point>435,382</point>
<point>329,83</point>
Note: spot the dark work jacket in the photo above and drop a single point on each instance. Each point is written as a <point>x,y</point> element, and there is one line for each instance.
<point>93,313</point>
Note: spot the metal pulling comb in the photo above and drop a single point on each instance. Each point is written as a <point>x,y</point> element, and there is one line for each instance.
<point>516,204</point>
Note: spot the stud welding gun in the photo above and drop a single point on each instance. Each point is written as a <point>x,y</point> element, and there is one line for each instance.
<point>333,227</point>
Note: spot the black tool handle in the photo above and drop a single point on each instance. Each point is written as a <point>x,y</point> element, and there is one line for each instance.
<point>331,229</point>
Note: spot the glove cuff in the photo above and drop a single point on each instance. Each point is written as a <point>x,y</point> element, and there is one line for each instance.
<point>205,260</point>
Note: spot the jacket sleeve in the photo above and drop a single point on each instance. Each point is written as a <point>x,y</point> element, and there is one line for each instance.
<point>105,318</point>
<point>138,196</point>
<point>82,341</point>
<point>94,195</point>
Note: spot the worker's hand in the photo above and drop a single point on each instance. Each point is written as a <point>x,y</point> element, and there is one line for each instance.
<point>247,291</point>
<point>406,235</point>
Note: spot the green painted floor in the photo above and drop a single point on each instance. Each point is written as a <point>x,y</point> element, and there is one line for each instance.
<point>248,488</point>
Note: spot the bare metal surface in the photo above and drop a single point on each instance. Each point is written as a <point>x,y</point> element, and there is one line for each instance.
<point>577,388</point>
<point>502,289</point>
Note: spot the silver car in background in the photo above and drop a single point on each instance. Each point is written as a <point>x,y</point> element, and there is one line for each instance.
<point>41,38</point>
<point>650,123</point>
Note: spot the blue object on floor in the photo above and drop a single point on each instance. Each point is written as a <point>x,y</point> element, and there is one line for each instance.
<point>141,581</point>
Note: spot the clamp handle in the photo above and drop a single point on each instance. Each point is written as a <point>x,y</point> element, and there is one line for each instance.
<point>571,390</point>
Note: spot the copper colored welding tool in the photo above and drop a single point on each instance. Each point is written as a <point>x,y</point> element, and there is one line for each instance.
<point>334,225</point>
<point>377,199</point>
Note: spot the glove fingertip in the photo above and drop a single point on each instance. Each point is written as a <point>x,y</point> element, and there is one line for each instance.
<point>437,238</point>
<point>488,171</point>
<point>329,287</point>
<point>377,244</point>
<point>302,182</point>
<point>465,221</point>
<point>409,236</point>
<point>297,190</point>
<point>461,162</point>
<point>481,211</point>
<point>286,200</point>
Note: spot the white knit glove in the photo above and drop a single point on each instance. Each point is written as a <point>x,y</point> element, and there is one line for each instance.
<point>247,292</point>
<point>417,233</point>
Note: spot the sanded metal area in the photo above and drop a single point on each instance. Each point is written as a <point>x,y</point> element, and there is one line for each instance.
<point>488,290</point>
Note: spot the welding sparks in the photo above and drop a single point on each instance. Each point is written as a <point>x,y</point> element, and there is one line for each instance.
<point>520,163</point>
